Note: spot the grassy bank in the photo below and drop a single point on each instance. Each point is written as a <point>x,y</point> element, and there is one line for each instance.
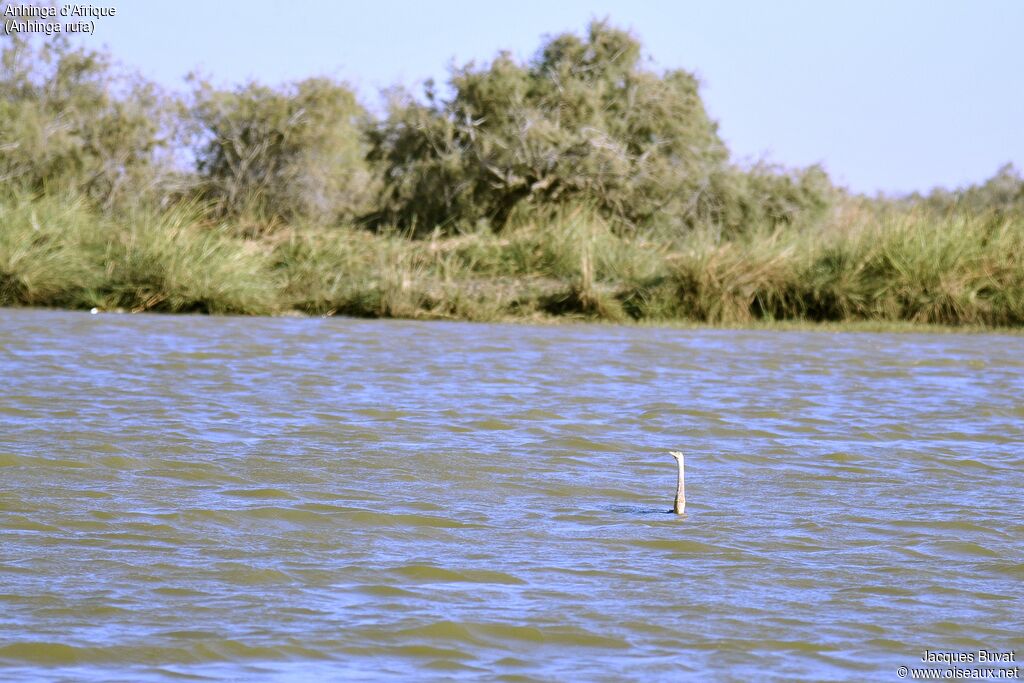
<point>576,184</point>
<point>855,265</point>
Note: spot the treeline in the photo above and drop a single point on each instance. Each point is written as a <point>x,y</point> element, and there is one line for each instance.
<point>579,182</point>
<point>581,123</point>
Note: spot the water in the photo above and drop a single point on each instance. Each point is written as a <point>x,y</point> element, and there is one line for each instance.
<point>300,499</point>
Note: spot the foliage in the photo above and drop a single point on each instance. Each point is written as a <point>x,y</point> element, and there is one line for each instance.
<point>69,122</point>
<point>582,122</point>
<point>293,152</point>
<point>771,196</point>
<point>61,251</point>
<point>578,184</point>
<point>1003,194</point>
<point>43,257</point>
<point>956,270</point>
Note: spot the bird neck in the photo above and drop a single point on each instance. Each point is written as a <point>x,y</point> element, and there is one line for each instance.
<point>680,504</point>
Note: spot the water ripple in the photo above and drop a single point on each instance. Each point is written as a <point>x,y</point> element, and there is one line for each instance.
<point>287,499</point>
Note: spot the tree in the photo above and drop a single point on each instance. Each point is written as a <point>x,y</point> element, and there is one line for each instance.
<point>294,152</point>
<point>581,122</point>
<point>70,121</point>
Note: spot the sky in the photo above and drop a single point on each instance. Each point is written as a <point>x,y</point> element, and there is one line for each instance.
<point>891,96</point>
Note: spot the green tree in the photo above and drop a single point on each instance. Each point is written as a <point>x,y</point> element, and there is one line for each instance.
<point>1002,194</point>
<point>294,152</point>
<point>70,121</point>
<point>582,122</point>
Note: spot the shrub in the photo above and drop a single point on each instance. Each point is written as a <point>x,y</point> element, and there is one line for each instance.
<point>770,196</point>
<point>582,122</point>
<point>70,122</point>
<point>1002,194</point>
<point>289,153</point>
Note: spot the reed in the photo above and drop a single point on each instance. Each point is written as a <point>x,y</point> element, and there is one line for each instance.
<point>58,252</point>
<point>45,253</point>
<point>567,263</point>
<point>579,184</point>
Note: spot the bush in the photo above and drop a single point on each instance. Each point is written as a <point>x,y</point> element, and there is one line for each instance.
<point>296,152</point>
<point>69,122</point>
<point>768,196</point>
<point>1002,194</point>
<point>582,122</point>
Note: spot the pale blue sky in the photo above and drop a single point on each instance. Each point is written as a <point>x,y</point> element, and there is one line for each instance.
<point>894,96</point>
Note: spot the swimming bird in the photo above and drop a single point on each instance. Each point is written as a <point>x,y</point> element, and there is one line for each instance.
<point>680,504</point>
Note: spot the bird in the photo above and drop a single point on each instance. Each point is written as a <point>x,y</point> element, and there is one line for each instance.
<point>680,503</point>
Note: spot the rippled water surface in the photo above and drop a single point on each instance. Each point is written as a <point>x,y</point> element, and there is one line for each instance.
<point>294,499</point>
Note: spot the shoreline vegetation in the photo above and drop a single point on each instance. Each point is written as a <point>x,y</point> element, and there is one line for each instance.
<point>575,186</point>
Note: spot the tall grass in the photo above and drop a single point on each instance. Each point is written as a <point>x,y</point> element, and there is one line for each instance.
<point>856,265</point>
<point>44,253</point>
<point>953,270</point>
<point>173,262</point>
<point>59,252</point>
